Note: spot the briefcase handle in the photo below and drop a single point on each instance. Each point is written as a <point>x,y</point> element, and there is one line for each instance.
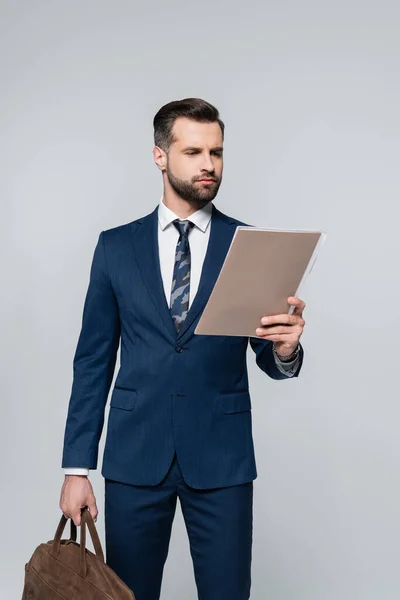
<point>86,520</point>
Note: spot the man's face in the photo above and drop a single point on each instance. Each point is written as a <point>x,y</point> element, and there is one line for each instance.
<point>195,156</point>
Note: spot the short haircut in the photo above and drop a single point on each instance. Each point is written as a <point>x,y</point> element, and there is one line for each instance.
<point>191,108</point>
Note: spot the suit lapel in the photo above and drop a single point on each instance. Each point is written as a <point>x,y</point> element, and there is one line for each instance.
<point>145,240</point>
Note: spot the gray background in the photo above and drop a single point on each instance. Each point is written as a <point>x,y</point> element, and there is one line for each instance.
<point>309,92</point>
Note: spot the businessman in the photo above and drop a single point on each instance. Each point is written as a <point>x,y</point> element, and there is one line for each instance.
<point>179,423</point>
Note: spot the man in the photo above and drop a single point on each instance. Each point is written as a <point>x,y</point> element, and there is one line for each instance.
<point>180,412</point>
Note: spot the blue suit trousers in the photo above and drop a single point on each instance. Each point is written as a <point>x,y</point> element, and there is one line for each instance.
<point>219,523</point>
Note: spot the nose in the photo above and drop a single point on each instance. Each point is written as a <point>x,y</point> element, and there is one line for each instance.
<point>208,165</point>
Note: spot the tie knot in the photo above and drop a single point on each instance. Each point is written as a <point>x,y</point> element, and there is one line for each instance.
<point>183,226</point>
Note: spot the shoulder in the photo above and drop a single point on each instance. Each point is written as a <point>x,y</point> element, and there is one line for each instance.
<point>120,233</point>
<point>117,232</point>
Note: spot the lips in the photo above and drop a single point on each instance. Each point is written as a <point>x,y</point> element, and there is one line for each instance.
<point>207,180</point>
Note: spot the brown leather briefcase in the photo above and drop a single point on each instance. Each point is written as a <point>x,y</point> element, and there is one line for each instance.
<point>65,569</point>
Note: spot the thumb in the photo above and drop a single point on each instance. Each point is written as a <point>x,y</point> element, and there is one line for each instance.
<point>93,510</point>
<point>76,517</point>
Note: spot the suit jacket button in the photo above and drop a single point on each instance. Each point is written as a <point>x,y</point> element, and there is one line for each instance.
<point>179,348</point>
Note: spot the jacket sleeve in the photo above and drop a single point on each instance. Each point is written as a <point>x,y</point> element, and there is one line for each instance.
<point>93,367</point>
<point>266,361</point>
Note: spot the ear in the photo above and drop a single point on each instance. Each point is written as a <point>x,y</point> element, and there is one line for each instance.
<point>160,158</point>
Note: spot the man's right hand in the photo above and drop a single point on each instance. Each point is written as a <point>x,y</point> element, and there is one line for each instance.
<point>76,493</point>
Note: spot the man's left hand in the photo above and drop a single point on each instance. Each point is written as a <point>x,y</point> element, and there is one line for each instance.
<point>284,330</point>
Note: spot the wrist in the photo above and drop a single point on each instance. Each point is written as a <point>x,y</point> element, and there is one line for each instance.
<point>290,355</point>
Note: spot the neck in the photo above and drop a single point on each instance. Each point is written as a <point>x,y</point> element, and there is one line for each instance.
<point>182,208</point>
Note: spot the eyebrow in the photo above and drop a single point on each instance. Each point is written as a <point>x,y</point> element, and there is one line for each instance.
<point>219,148</point>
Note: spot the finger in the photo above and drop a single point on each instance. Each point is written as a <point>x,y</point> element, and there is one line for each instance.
<point>76,517</point>
<point>275,330</point>
<point>281,319</point>
<point>282,337</point>
<point>297,303</point>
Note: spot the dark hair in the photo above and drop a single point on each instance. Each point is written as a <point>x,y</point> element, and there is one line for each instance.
<point>191,108</point>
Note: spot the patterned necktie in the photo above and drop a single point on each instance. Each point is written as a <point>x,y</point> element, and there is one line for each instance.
<point>181,278</point>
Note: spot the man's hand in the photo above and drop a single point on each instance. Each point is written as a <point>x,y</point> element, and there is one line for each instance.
<point>76,493</point>
<point>284,330</point>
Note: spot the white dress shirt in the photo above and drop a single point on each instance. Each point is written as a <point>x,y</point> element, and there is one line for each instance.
<point>168,236</point>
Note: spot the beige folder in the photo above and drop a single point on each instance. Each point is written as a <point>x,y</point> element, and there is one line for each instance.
<point>262,268</point>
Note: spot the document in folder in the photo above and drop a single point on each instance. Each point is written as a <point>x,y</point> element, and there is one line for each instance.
<point>262,268</point>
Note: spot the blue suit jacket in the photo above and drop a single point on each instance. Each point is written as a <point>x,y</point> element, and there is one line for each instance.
<point>174,391</point>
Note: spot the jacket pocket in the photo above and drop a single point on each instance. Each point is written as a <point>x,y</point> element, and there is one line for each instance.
<point>122,398</point>
<point>235,402</point>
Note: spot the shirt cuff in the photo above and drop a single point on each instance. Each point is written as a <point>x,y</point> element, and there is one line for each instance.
<point>286,367</point>
<point>76,471</point>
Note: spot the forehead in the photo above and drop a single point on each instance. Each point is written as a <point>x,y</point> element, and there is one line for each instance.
<point>193,133</point>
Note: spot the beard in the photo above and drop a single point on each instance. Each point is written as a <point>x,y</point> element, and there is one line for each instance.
<point>195,193</point>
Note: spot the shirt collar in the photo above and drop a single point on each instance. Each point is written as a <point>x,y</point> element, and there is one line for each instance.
<point>200,218</point>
